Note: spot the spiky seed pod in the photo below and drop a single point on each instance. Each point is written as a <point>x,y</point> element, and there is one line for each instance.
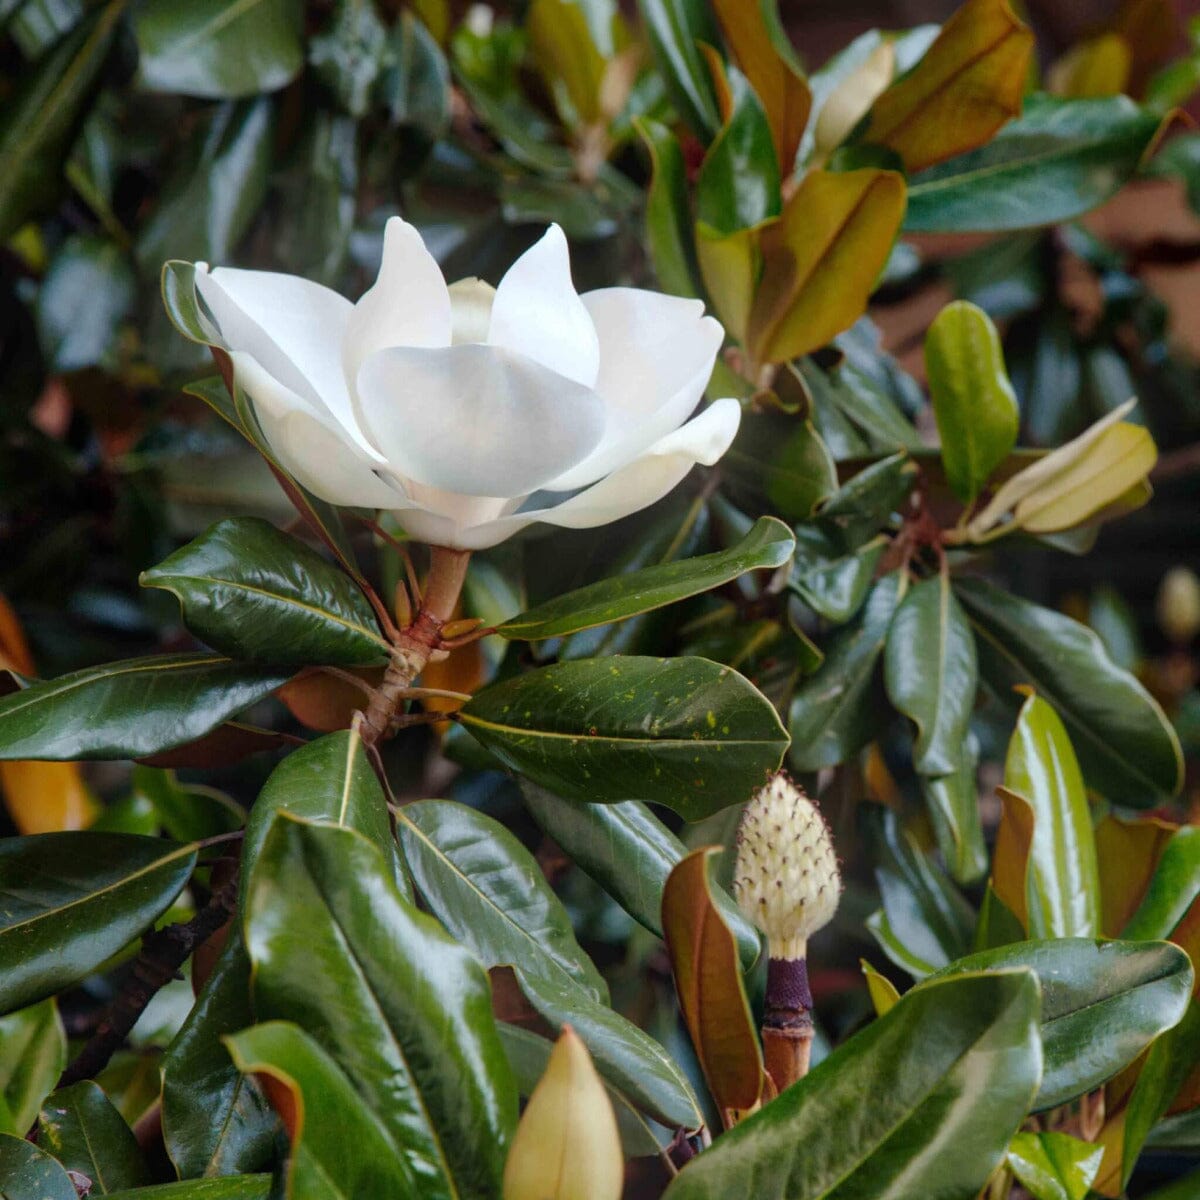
<point>787,879</point>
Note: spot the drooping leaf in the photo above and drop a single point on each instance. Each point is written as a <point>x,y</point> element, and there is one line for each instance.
<point>80,1127</point>
<point>68,901</point>
<point>1058,160</point>
<point>1125,744</point>
<point>29,1173</point>
<point>708,982</point>
<point>401,1008</point>
<point>630,853</point>
<point>1054,1166</point>
<point>668,216</point>
<point>33,1053</point>
<point>130,709</point>
<point>211,49</point>
<point>767,546</point>
<point>973,400</point>
<point>1103,1003</point>
<point>682,732</point>
<point>1063,877</point>
<point>968,84</point>
<point>489,891</point>
<point>918,1065</point>
<point>821,259</point>
<point>253,592</point>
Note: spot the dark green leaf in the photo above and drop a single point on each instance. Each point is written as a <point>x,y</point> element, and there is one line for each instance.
<point>28,1173</point>
<point>852,410</point>
<point>929,1128</point>
<point>415,84</point>
<point>674,28</point>
<point>490,893</point>
<point>668,215</point>
<point>682,732</point>
<point>1059,159</point>
<point>779,462</point>
<point>80,1127</point>
<point>217,50</point>
<point>952,802</point>
<point>626,849</point>
<point>867,500</point>
<point>39,119</point>
<point>130,709</point>
<point>215,1120</point>
<point>239,1187</point>
<point>832,716</point>
<point>1173,888</point>
<point>404,1010</point>
<point>768,545</point>
<point>33,1053</point>
<point>186,814</point>
<point>1103,1003</point>
<point>68,901</point>
<point>254,592</point>
<point>832,581</point>
<point>1126,746</point>
<point>349,55</point>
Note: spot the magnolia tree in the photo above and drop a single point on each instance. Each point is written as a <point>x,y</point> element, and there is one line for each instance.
<point>701,617</point>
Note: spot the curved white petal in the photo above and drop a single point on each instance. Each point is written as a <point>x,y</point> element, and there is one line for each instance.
<point>291,326</point>
<point>656,358</point>
<point>538,313</point>
<point>476,419</point>
<point>409,304</point>
<point>312,448</point>
<point>636,486</point>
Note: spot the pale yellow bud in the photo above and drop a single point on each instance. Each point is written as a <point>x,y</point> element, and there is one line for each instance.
<point>848,103</point>
<point>566,1146</point>
<point>786,879</point>
<point>1179,605</point>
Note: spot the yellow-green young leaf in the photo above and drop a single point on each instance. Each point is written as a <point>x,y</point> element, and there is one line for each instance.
<point>567,58</point>
<point>1054,1166</point>
<point>970,81</point>
<point>883,990</point>
<point>1098,67</point>
<point>850,101</point>
<point>567,1146</point>
<point>973,400</point>
<point>751,29</point>
<point>708,980</point>
<point>821,259</point>
<point>729,266</point>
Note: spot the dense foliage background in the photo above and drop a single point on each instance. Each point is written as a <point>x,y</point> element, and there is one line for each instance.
<point>281,135</point>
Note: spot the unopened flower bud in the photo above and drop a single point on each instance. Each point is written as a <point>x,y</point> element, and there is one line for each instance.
<point>1179,605</point>
<point>567,1146</point>
<point>786,879</point>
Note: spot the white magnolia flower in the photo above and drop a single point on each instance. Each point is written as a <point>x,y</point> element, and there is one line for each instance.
<point>472,412</point>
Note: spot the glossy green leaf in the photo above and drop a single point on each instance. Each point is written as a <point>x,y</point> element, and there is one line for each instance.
<point>673,28</point>
<point>253,592</point>
<point>215,1121</point>
<point>348,54</point>
<point>416,81</point>
<point>404,1010</point>
<point>130,709</point>
<point>952,802</point>
<point>856,413</point>
<point>779,462</point>
<point>1063,880</point>
<point>1184,1188</point>
<point>767,546</point>
<point>682,732</point>
<point>29,1173</point>
<point>1059,159</point>
<point>69,901</point>
<point>626,849</point>
<point>325,1106</point>
<point>235,1187</point>
<point>80,1127</point>
<point>830,579</point>
<point>1054,1166</point>
<point>668,214</point>
<point>216,50</point>
<point>925,913</point>
<point>1103,1003</point>
<point>870,496</point>
<point>33,1053</point>
<point>1126,746</point>
<point>1172,890</point>
<point>626,1057</point>
<point>950,1072</point>
<point>490,893</point>
<point>931,673</point>
<point>832,713</point>
<point>41,116</point>
<point>973,400</point>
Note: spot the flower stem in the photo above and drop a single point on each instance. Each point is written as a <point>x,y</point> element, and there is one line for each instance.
<point>787,1028</point>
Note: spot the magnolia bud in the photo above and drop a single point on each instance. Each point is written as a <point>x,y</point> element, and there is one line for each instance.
<point>566,1146</point>
<point>786,879</point>
<point>1179,605</point>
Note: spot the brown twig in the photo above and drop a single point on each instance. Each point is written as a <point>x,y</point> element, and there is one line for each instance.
<point>163,952</point>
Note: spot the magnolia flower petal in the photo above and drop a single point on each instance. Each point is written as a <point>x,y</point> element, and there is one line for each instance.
<point>470,310</point>
<point>537,312</point>
<point>476,419</point>
<point>409,304</point>
<point>313,449</point>
<point>656,358</point>
<point>636,486</point>
<point>291,326</point>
